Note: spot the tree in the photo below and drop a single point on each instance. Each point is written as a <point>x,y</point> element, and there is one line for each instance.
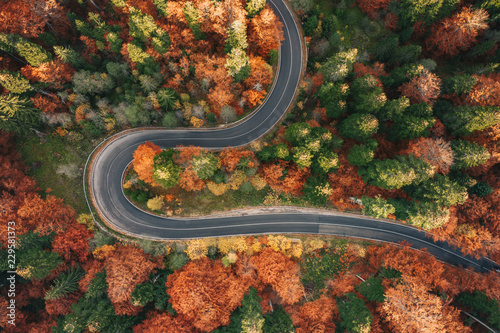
<point>398,172</point>
<point>317,191</point>
<point>317,316</point>
<point>458,32</point>
<point>278,321</point>
<point>165,172</point>
<point>164,322</point>
<point>168,98</point>
<point>337,67</point>
<point>354,315</point>
<point>297,133</point>
<point>144,160</point>
<point>436,152</point>
<point>73,244</point>
<point>155,203</point>
<point>333,97</point>
<point>367,96</point>
<point>459,84</point>
<point>481,306</point>
<point>14,82</point>
<point>424,88</point>
<point>17,114</point>
<point>161,7</point>
<point>280,272</point>
<point>426,215</point>
<point>205,292</point>
<point>361,155</point>
<point>359,126</point>
<point>441,190</point>
<point>265,32</point>
<point>372,289</point>
<point>290,181</point>
<point>65,284</point>
<point>205,165</point>
<point>468,154</point>
<point>126,267</point>
<point>410,11</point>
<point>464,120</point>
<point>409,307</point>
<point>227,114</point>
<point>377,207</point>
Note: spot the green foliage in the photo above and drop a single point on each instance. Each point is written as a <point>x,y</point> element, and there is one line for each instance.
<point>273,57</point>
<point>36,264</point>
<point>463,120</point>
<point>150,83</point>
<point>14,82</point>
<point>17,114</point>
<point>161,7</point>
<point>481,189</point>
<point>248,317</point>
<point>361,155</point>
<point>440,189</point>
<point>409,127</point>
<point>165,172</point>
<point>317,190</point>
<point>94,310</point>
<point>366,96</point>
<point>160,41</point>
<point>137,116</point>
<point>481,306</point>
<point>88,83</point>
<point>119,3</point>
<point>395,108</point>
<point>118,71</point>
<point>68,55</point>
<point>278,321</point>
<point>359,126</point>
<point>237,64</point>
<point>205,165</point>
<point>236,36</point>
<point>168,98</point>
<point>297,133</point>
<point>372,289</point>
<point>333,98</point>
<point>406,54</point>
<point>114,41</point>
<point>142,26</point>
<point>34,54</point>
<point>458,84</point>
<point>354,315</point>
<point>310,25</point>
<point>425,215</point>
<point>253,7</point>
<point>192,18</point>
<point>377,207</point>
<point>136,53</point>
<point>302,156</point>
<point>325,162</point>
<point>65,283</point>
<point>337,67</point>
<point>142,294</point>
<point>169,120</point>
<point>100,238</point>
<point>384,49</point>
<point>177,259</point>
<point>468,154</point>
<point>322,266</point>
<point>396,173</point>
<point>246,187</point>
<point>402,74</point>
<point>410,11</point>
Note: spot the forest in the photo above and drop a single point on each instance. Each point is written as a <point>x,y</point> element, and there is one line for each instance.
<point>397,117</point>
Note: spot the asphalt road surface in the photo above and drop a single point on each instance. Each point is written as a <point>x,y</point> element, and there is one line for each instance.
<point>109,164</point>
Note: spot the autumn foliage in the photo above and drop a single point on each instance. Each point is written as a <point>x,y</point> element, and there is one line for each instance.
<point>143,161</point>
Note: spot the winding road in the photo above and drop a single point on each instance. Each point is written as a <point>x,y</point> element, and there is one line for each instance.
<point>109,162</point>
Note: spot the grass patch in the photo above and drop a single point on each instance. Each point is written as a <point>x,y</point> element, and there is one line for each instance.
<point>57,164</point>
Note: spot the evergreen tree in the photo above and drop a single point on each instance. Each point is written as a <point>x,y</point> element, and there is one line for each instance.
<point>14,82</point>
<point>361,155</point>
<point>333,97</point>
<point>165,172</point>
<point>377,207</point>
<point>372,289</point>
<point>396,173</point>
<point>359,126</point>
<point>464,119</point>
<point>17,114</point>
<point>337,67</point>
<point>278,321</point>
<point>65,283</point>
<point>440,189</point>
<point>468,154</point>
<point>354,315</point>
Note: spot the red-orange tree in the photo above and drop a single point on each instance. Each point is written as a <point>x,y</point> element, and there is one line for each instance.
<point>458,32</point>
<point>205,292</point>
<point>143,161</point>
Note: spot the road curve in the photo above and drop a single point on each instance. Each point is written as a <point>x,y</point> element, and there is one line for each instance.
<point>109,163</point>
